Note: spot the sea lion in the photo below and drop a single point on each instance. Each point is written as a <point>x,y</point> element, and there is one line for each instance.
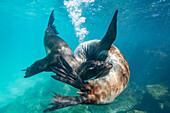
<point>55,46</point>
<point>105,87</point>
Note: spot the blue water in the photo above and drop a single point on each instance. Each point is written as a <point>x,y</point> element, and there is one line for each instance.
<point>143,37</point>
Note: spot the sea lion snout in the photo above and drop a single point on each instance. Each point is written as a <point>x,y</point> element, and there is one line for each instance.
<point>93,68</point>
<point>104,66</point>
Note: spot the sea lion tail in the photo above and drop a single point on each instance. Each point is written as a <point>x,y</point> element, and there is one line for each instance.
<point>51,28</point>
<point>66,74</point>
<point>61,101</point>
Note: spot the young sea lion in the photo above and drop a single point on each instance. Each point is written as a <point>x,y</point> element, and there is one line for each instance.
<point>106,86</point>
<point>56,46</point>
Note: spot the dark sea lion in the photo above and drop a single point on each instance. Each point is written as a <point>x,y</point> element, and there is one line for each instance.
<point>55,46</point>
<point>106,86</point>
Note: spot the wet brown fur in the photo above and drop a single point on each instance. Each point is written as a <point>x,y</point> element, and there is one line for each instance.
<point>104,90</point>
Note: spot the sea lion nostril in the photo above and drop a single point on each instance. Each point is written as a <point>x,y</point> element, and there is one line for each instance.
<point>101,66</point>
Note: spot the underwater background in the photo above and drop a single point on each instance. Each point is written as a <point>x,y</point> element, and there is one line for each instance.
<point>143,37</point>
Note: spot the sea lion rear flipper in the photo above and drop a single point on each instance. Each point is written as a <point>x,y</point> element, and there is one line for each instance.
<point>38,66</point>
<point>61,101</point>
<point>90,69</point>
<point>66,74</point>
<point>110,35</point>
<point>51,29</point>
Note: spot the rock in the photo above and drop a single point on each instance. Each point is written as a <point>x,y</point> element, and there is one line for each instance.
<point>160,92</point>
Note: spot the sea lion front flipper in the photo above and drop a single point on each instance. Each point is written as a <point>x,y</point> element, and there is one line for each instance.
<point>90,69</point>
<point>66,74</point>
<point>39,66</point>
<point>110,35</point>
<point>61,101</point>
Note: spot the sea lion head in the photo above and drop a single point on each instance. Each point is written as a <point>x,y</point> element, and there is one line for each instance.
<point>90,69</point>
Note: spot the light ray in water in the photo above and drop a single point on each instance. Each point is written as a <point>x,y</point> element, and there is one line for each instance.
<point>74,7</point>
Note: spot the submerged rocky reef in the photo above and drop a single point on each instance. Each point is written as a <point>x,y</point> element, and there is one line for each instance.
<point>155,98</point>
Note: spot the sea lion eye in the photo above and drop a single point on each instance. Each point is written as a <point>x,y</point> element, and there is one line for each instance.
<point>91,68</point>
